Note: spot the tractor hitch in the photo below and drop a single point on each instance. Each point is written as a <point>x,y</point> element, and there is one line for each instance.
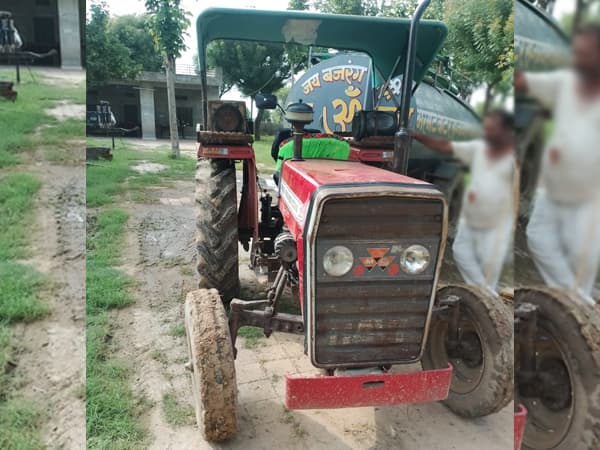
<point>257,313</point>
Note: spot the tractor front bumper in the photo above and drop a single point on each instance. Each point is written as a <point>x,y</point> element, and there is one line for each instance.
<point>328,392</point>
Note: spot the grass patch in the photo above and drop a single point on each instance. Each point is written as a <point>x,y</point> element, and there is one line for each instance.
<point>17,192</point>
<point>262,152</point>
<point>20,285</point>
<point>21,119</point>
<point>177,331</point>
<point>186,271</point>
<point>6,361</point>
<point>113,409</point>
<point>176,414</point>
<point>252,336</point>
<point>107,180</point>
<point>20,288</point>
<point>19,422</point>
<point>160,357</point>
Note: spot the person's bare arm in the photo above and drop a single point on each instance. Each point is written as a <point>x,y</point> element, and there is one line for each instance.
<point>436,144</point>
<point>520,81</point>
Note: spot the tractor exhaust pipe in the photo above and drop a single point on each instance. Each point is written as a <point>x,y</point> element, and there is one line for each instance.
<point>402,139</point>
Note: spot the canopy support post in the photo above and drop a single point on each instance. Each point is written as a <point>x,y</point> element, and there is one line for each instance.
<point>402,139</point>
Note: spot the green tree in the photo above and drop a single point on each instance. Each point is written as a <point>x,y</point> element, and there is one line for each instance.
<point>168,23</point>
<point>252,67</point>
<point>406,8</point>
<point>352,7</point>
<point>107,57</point>
<point>298,5</point>
<point>133,32</point>
<point>481,41</point>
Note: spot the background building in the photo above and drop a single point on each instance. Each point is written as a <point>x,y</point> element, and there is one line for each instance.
<point>51,24</point>
<point>143,102</point>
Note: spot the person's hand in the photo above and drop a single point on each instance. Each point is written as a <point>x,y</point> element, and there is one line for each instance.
<point>520,81</point>
<point>416,135</point>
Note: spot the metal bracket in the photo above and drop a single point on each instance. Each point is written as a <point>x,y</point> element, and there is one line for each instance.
<point>451,313</point>
<point>526,330</point>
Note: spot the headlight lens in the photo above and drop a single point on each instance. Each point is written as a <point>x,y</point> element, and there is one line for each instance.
<point>338,261</point>
<point>415,259</point>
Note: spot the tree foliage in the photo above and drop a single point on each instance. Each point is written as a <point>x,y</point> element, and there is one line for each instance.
<point>298,5</point>
<point>250,66</point>
<point>118,47</point>
<point>353,7</point>
<point>133,32</point>
<point>168,24</point>
<point>481,41</point>
<point>107,57</point>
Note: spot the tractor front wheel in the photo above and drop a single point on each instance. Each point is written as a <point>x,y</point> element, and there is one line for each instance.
<point>211,364</point>
<point>217,227</point>
<point>481,352</point>
<point>563,402</point>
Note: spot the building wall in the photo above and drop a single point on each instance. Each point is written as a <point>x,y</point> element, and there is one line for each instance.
<point>50,24</point>
<point>189,103</point>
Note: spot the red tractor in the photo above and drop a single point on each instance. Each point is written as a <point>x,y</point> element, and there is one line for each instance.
<point>361,247</point>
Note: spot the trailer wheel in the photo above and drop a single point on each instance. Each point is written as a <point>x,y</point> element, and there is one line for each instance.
<point>217,227</point>
<point>482,378</point>
<point>211,364</point>
<point>565,414</point>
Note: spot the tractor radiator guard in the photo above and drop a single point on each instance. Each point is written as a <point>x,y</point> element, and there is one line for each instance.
<point>328,392</point>
<point>520,417</point>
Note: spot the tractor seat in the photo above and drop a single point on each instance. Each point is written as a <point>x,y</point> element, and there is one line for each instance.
<point>319,146</point>
<point>284,134</point>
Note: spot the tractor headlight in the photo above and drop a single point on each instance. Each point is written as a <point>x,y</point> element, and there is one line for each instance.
<point>338,261</point>
<point>415,259</point>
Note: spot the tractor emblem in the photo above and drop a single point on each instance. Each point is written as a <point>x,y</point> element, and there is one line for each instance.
<point>378,259</point>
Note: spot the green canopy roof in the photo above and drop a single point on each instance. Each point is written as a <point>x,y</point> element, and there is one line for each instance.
<point>382,38</point>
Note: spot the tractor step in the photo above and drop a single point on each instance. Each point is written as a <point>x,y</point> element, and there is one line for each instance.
<point>520,418</point>
<point>328,392</point>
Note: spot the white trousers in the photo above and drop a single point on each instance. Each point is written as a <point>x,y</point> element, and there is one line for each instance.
<point>480,254</point>
<point>564,241</point>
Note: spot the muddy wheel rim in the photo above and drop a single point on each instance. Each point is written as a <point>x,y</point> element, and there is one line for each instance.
<point>548,425</point>
<point>466,374</point>
<point>194,375</point>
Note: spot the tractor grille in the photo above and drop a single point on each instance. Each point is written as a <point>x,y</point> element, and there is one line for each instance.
<point>375,316</point>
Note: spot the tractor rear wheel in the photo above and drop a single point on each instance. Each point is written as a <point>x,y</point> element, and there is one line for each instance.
<point>482,378</point>
<point>211,364</point>
<point>564,413</point>
<point>217,227</point>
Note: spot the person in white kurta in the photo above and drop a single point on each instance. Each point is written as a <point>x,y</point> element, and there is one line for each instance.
<point>563,233</point>
<point>486,223</point>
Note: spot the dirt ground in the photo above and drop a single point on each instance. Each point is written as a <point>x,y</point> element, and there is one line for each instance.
<point>160,255</point>
<point>52,360</point>
<point>51,363</point>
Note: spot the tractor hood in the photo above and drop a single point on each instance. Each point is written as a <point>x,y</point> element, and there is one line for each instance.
<point>300,180</point>
<point>383,39</point>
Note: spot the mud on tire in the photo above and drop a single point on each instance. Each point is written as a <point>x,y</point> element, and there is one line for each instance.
<point>212,365</point>
<point>217,227</point>
<point>573,329</point>
<point>483,384</point>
